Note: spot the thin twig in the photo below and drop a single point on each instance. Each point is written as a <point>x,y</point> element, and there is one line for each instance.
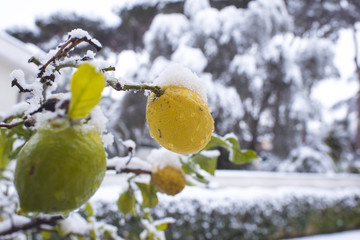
<point>15,82</point>
<point>64,51</point>
<point>129,170</point>
<point>126,87</point>
<point>10,125</point>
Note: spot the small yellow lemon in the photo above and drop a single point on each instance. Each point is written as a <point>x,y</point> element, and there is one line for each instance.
<point>179,120</point>
<point>59,169</point>
<point>169,180</point>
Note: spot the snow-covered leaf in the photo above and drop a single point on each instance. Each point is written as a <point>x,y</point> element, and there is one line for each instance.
<point>163,224</point>
<point>86,87</point>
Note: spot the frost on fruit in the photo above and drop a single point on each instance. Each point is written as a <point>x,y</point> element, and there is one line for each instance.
<point>59,169</point>
<point>167,175</point>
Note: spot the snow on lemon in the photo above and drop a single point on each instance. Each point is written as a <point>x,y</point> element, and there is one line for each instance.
<point>180,119</point>
<point>167,175</point>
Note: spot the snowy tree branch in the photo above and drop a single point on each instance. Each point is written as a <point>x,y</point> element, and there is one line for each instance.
<point>126,87</point>
<point>64,50</point>
<point>15,82</point>
<point>31,224</point>
<point>10,125</point>
<point>129,170</point>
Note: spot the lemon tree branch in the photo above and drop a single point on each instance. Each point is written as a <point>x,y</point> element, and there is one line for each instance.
<point>33,223</point>
<point>126,87</point>
<point>129,170</point>
<point>10,125</point>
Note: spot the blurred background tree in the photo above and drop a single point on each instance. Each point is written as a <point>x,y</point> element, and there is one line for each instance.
<point>260,60</point>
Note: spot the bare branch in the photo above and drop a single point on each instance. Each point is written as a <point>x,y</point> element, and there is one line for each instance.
<point>15,82</point>
<point>64,51</point>
<point>129,170</point>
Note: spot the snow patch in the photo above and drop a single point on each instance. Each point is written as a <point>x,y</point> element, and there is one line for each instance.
<point>120,163</point>
<point>74,224</point>
<point>178,75</point>
<point>160,158</point>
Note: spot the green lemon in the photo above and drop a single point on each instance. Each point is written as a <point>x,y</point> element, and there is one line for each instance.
<point>59,169</point>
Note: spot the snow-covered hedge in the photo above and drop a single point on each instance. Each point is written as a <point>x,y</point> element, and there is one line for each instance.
<point>247,213</point>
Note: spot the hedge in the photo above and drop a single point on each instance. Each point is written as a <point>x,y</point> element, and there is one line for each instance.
<point>252,213</point>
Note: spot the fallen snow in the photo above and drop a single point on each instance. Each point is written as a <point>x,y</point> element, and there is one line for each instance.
<point>110,193</point>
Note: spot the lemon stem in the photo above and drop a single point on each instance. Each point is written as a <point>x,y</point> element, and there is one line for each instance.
<point>126,87</point>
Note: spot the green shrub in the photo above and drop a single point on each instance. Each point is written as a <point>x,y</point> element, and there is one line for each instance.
<point>270,214</point>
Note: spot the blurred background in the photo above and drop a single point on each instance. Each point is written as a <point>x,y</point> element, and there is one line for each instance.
<point>282,75</point>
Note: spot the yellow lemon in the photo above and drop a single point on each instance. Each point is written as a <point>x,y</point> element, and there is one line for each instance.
<point>179,120</point>
<point>59,169</point>
<point>169,180</point>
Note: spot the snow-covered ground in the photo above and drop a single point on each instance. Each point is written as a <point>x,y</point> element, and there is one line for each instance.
<point>348,235</point>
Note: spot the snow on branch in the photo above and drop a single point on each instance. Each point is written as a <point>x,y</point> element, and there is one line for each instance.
<point>20,223</point>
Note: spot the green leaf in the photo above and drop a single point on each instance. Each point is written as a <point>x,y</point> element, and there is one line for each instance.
<point>215,142</point>
<point>207,163</point>
<point>89,210</point>
<point>86,87</point>
<point>93,234</point>
<point>126,202</point>
<point>6,143</point>
<point>25,133</point>
<point>239,156</point>
<point>148,192</point>
<point>244,156</point>
<point>232,144</point>
<point>191,169</point>
<point>45,235</point>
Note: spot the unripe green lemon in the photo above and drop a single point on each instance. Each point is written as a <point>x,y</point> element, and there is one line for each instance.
<point>59,169</point>
<point>179,120</point>
<point>169,180</point>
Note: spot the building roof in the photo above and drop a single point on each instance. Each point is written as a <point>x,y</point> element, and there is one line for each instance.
<point>17,53</point>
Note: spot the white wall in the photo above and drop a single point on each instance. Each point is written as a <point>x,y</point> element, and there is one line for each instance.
<point>14,54</point>
<point>8,95</point>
